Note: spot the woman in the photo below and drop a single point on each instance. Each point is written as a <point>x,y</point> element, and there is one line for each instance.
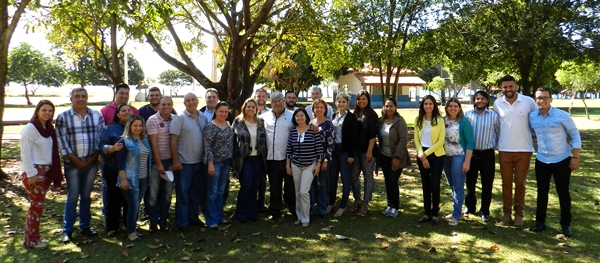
<point>218,150</point>
<point>326,131</point>
<point>458,145</point>
<point>134,162</point>
<point>365,149</point>
<point>429,143</point>
<point>393,154</point>
<point>303,162</point>
<point>110,144</point>
<point>343,154</point>
<point>40,166</point>
<point>249,162</point>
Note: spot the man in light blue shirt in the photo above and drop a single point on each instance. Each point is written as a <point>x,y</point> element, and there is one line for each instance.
<point>554,129</point>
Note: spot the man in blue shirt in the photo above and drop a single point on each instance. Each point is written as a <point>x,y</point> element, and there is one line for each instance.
<point>554,129</point>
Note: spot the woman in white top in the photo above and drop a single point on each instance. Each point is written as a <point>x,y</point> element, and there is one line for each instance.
<point>40,166</point>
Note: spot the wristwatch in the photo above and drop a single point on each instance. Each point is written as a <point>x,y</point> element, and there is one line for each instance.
<point>325,160</point>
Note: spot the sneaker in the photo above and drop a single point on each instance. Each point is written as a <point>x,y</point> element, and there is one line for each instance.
<point>305,224</point>
<point>393,213</point>
<point>448,216</point>
<point>134,237</point>
<point>340,212</point>
<point>387,210</point>
<point>88,232</point>
<point>298,222</point>
<point>453,222</point>
<point>539,227</point>
<point>485,218</point>
<point>65,237</point>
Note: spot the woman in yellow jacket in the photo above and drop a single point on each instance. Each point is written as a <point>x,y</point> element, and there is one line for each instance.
<point>429,141</point>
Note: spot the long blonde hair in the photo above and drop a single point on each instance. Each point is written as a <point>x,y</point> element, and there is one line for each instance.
<point>242,116</point>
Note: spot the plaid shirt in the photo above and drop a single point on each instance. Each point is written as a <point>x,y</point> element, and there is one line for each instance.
<point>77,135</point>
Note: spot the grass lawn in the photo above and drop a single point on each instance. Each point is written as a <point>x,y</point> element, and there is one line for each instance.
<point>374,238</point>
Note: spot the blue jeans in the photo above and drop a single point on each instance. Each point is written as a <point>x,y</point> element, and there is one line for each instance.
<point>133,199</point>
<point>160,191</point>
<point>339,164</point>
<point>79,185</point>
<point>319,193</point>
<point>456,181</point>
<point>188,189</point>
<point>252,173</point>
<point>214,196</point>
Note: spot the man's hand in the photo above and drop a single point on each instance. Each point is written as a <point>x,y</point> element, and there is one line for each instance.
<point>574,164</point>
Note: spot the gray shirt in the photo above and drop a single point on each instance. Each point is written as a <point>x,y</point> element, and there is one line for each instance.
<point>189,145</point>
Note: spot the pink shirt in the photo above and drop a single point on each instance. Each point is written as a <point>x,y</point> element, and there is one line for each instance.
<point>108,112</point>
<point>157,125</point>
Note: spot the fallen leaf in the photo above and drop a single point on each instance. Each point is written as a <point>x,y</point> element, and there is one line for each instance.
<point>237,240</point>
<point>144,259</point>
<point>283,248</point>
<point>274,226</point>
<point>561,236</point>
<point>185,259</point>
<point>563,244</point>
<point>293,246</point>
<point>225,227</point>
<point>522,236</point>
<point>453,234</point>
<point>477,260</point>
<point>565,252</point>
<point>384,245</point>
<point>340,237</point>
<point>64,260</point>
<point>495,247</point>
<point>188,244</point>
<point>399,239</point>
<point>432,250</point>
<point>327,228</point>
<point>125,253</point>
<point>154,246</point>
<point>454,247</point>
<point>256,234</point>
<point>352,218</point>
<point>129,245</point>
<point>378,236</point>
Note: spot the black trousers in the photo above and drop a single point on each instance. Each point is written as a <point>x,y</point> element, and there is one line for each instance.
<point>280,184</point>
<point>483,162</point>
<point>114,200</point>
<point>430,182</point>
<point>562,179</point>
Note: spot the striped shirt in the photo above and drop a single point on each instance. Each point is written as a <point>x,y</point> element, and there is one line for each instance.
<point>304,149</point>
<point>486,128</point>
<point>77,135</point>
<point>159,126</point>
<point>144,152</point>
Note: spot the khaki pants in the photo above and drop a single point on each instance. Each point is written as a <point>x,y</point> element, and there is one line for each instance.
<point>517,164</point>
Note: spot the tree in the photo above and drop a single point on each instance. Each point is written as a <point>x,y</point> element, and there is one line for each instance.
<point>291,71</point>
<point>83,71</point>
<point>30,68</point>
<point>580,78</point>
<point>8,24</point>
<point>175,79</point>
<point>530,38</point>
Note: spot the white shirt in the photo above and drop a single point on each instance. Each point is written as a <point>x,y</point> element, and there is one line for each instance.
<point>426,135</point>
<point>35,149</point>
<point>310,113</point>
<point>278,131</point>
<point>515,133</point>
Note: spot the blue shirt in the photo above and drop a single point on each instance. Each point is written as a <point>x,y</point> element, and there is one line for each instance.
<point>486,128</point>
<point>552,131</point>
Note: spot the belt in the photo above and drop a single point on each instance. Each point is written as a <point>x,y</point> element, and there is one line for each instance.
<point>483,151</point>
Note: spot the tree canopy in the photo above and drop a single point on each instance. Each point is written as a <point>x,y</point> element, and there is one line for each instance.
<point>175,79</point>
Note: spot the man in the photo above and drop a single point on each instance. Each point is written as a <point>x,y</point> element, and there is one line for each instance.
<point>160,189</point>
<point>515,146</point>
<point>554,129</point>
<point>260,95</point>
<point>315,94</point>
<point>122,97</point>
<point>486,128</point>
<point>278,123</point>
<point>153,107</point>
<point>187,153</point>
<point>78,131</point>
<point>290,100</point>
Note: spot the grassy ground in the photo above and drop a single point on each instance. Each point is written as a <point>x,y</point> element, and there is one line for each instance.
<point>373,238</point>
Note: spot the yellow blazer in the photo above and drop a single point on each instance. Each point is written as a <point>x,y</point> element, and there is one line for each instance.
<point>438,134</point>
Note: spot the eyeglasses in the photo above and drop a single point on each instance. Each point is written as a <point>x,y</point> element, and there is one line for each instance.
<point>542,98</point>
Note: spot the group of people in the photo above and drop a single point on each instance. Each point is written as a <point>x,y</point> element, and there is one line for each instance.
<point>143,155</point>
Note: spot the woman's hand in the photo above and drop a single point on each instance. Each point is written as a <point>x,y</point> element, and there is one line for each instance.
<point>466,167</point>
<point>124,185</point>
<point>316,170</point>
<point>395,164</point>
<point>369,157</point>
<point>118,146</point>
<point>31,181</point>
<point>323,166</point>
<point>350,160</point>
<point>211,169</point>
<point>177,166</point>
<point>426,164</point>
<point>288,170</point>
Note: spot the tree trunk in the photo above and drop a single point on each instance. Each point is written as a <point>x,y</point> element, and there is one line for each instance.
<point>27,95</point>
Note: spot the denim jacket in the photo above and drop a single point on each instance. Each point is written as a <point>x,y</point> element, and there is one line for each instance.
<point>128,159</point>
<point>110,136</point>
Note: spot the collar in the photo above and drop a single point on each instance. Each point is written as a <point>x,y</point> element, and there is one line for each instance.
<point>72,111</point>
<point>160,118</point>
<point>549,113</point>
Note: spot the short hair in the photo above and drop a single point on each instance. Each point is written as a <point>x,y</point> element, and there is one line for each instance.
<point>542,89</point>
<point>290,91</point>
<point>483,93</point>
<point>219,105</point>
<point>276,95</point>
<point>260,90</point>
<point>344,96</point>
<point>460,114</point>
<point>390,98</point>
<point>154,88</point>
<point>242,116</point>
<point>78,90</point>
<point>306,118</point>
<point>317,101</point>
<point>507,78</point>
<point>115,118</point>
<point>122,86</point>
<point>212,90</point>
<point>317,88</point>
<point>127,132</point>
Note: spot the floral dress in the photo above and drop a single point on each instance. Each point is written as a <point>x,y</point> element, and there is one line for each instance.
<point>452,144</point>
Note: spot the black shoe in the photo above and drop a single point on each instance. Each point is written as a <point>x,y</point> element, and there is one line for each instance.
<point>485,218</point>
<point>186,229</point>
<point>163,226</point>
<point>467,211</point>
<point>566,230</point>
<point>214,227</point>
<point>434,221</point>
<point>66,237</point>
<point>539,227</point>
<point>424,219</point>
<point>88,232</point>
<point>153,228</point>
<point>197,223</point>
